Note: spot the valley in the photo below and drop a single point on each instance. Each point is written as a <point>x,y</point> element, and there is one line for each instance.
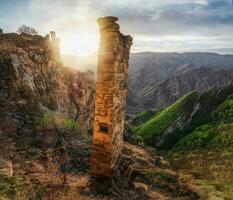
<point>195,135</point>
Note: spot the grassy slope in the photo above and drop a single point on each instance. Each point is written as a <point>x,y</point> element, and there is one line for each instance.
<point>204,148</point>
<point>142,117</point>
<point>210,105</point>
<point>158,124</point>
<point>217,134</point>
<point>207,153</point>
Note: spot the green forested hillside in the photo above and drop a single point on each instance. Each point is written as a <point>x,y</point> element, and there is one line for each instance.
<point>194,117</point>
<point>158,124</point>
<point>217,134</point>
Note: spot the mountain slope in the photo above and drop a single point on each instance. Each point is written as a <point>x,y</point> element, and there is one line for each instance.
<point>150,71</point>
<point>197,139</point>
<point>173,123</point>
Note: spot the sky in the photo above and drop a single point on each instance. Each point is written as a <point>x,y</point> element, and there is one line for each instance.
<point>155,25</point>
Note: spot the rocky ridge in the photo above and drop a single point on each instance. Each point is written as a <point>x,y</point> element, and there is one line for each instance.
<point>32,80</point>
<point>156,80</point>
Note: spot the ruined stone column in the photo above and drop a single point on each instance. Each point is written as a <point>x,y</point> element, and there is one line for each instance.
<point>55,45</point>
<point>110,97</point>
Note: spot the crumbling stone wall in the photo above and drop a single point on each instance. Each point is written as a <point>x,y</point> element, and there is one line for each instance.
<point>110,97</point>
<point>55,45</point>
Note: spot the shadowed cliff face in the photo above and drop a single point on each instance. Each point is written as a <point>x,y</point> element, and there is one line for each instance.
<point>32,81</point>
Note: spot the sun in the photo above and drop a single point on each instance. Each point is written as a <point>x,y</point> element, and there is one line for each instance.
<point>81,43</point>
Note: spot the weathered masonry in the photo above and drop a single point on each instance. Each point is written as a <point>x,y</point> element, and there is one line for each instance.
<point>110,97</point>
<point>54,45</point>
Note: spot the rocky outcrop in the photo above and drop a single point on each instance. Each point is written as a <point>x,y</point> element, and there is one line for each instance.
<point>32,81</point>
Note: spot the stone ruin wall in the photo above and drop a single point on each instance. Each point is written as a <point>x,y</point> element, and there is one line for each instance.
<point>55,45</point>
<point>110,97</point>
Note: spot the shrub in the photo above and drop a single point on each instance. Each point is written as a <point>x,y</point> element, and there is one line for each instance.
<point>224,112</point>
<point>196,140</point>
<point>207,136</point>
<point>50,120</point>
<point>7,187</point>
<point>224,139</point>
<point>46,121</point>
<point>27,29</point>
<point>72,126</point>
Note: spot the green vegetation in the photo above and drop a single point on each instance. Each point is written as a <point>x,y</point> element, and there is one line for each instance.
<point>224,137</point>
<point>218,134</point>
<point>72,126</point>
<point>209,189</point>
<point>47,120</point>
<point>198,139</point>
<point>185,119</point>
<point>206,137</point>
<point>224,112</point>
<point>208,102</point>
<point>7,187</point>
<point>143,117</point>
<point>164,119</point>
<point>51,120</point>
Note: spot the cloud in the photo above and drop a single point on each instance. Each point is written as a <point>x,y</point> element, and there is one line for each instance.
<point>183,21</point>
<point>185,17</point>
<point>154,24</point>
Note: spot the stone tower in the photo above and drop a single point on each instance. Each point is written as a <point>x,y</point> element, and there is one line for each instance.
<point>110,97</point>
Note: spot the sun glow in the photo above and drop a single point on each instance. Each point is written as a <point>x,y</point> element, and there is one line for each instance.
<point>81,43</point>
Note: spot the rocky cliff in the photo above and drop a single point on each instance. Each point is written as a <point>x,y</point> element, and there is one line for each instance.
<point>33,81</point>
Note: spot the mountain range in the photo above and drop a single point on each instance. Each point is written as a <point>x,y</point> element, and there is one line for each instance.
<point>158,79</point>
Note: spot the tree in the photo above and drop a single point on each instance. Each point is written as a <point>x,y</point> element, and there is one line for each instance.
<point>27,29</point>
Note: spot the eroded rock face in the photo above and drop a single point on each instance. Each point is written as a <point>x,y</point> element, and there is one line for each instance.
<point>110,97</point>
<point>32,80</point>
